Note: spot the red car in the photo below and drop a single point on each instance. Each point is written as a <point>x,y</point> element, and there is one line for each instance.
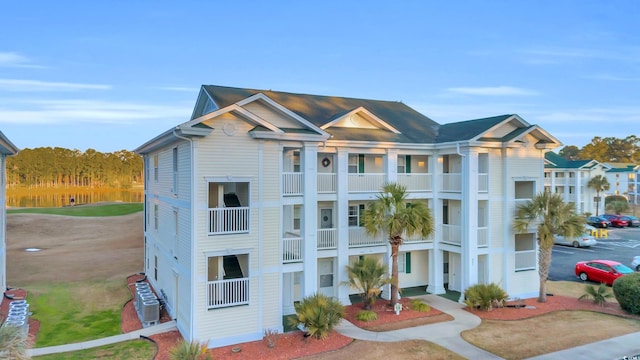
<point>616,220</point>
<point>601,271</point>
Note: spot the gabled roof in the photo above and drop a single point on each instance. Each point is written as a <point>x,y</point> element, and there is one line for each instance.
<point>553,160</point>
<point>622,167</point>
<point>6,146</point>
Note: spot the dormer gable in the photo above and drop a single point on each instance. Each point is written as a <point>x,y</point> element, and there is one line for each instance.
<point>360,118</point>
<point>204,105</point>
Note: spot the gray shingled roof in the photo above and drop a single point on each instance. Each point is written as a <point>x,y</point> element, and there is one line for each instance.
<point>320,110</point>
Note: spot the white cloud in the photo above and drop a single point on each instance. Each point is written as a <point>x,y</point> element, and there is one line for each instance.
<point>89,111</point>
<point>492,91</point>
<point>12,59</point>
<point>37,85</point>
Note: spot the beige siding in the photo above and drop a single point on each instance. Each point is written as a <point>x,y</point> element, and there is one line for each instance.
<point>419,274</point>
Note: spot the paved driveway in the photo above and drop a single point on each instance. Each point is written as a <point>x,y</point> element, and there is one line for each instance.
<point>621,245</point>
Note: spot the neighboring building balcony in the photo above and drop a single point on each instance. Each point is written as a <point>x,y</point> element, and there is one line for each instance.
<point>366,182</point>
<point>415,181</point>
<point>452,234</point>
<point>327,239</point>
<point>228,292</point>
<point>292,248</point>
<point>231,220</point>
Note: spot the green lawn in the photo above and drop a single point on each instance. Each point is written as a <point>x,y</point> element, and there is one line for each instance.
<point>84,210</point>
<point>130,350</point>
<point>77,311</point>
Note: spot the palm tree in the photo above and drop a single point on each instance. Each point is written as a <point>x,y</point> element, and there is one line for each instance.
<point>598,183</point>
<point>552,216</point>
<point>368,276</point>
<point>395,217</point>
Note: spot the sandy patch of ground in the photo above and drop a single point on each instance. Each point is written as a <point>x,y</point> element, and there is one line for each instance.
<point>73,248</point>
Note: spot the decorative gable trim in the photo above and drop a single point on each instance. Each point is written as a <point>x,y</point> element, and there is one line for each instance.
<point>241,112</point>
<point>366,114</point>
<point>275,105</point>
<point>203,103</point>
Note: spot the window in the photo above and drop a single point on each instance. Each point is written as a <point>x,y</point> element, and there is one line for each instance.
<point>296,161</point>
<point>155,167</point>
<point>176,233</point>
<point>356,163</point>
<point>404,164</point>
<point>175,170</point>
<point>155,216</point>
<point>356,213</point>
<point>404,262</point>
<point>227,280</point>
<point>525,252</point>
<point>155,268</point>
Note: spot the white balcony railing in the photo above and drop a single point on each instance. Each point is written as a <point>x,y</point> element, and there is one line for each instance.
<point>366,182</point>
<point>483,236</point>
<point>326,183</point>
<point>451,234</point>
<point>292,183</point>
<point>415,181</point>
<point>228,220</point>
<point>483,182</point>
<point>359,237</point>
<point>525,260</point>
<point>451,182</point>
<point>327,239</point>
<point>228,292</point>
<point>292,249</point>
<point>417,238</point>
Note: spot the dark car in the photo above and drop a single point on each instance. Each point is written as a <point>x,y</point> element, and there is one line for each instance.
<point>601,271</point>
<point>598,221</point>
<point>616,220</point>
<point>633,221</point>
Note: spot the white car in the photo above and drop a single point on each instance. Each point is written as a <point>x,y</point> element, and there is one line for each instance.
<point>635,264</point>
<point>584,240</point>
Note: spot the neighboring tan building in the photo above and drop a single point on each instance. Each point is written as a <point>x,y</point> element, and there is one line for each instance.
<point>622,178</point>
<point>569,178</point>
<point>256,202</point>
<point>6,149</point>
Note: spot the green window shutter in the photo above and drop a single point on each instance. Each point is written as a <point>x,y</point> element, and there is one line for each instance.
<point>361,163</point>
<point>361,215</point>
<point>408,164</point>
<point>361,257</point>
<point>407,263</point>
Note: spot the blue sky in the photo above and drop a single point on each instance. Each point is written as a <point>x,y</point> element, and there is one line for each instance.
<point>110,75</point>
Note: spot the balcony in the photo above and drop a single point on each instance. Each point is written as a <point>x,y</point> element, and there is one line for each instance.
<point>326,183</point>
<point>228,292</point>
<point>358,237</point>
<point>451,182</point>
<point>292,248</point>
<point>292,183</point>
<point>483,183</point>
<point>483,237</point>
<point>366,182</point>
<point>451,234</point>
<point>415,181</point>
<point>327,239</point>
<point>417,239</point>
<point>232,220</point>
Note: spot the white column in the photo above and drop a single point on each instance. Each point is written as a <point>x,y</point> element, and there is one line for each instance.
<point>578,190</point>
<point>342,222</point>
<point>436,265</point>
<point>392,165</point>
<point>469,223</point>
<point>309,159</point>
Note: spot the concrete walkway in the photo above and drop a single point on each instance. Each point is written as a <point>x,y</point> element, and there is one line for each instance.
<point>445,334</point>
<point>148,331</point>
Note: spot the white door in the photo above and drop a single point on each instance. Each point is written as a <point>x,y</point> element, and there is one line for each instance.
<point>325,277</point>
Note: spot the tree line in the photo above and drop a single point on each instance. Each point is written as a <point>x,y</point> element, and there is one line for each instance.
<point>47,167</point>
<point>608,149</point>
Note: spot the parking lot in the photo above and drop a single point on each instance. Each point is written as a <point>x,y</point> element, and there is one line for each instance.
<point>620,245</point>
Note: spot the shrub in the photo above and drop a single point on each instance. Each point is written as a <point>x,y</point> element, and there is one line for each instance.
<point>599,295</point>
<point>367,276</point>
<point>485,296</point>
<point>627,291</point>
<point>318,314</point>
<point>14,342</point>
<point>418,305</point>
<point>367,315</point>
<point>188,350</point>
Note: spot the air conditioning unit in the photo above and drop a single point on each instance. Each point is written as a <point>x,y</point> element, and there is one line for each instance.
<point>140,295</point>
<point>150,311</point>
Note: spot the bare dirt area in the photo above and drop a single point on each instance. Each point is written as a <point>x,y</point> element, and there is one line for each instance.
<point>72,248</point>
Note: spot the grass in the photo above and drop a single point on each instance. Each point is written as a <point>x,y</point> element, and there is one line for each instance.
<point>134,350</point>
<point>84,210</point>
<point>406,350</point>
<point>77,311</point>
<point>547,333</point>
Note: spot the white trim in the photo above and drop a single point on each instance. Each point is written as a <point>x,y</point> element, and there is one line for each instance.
<point>367,114</point>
